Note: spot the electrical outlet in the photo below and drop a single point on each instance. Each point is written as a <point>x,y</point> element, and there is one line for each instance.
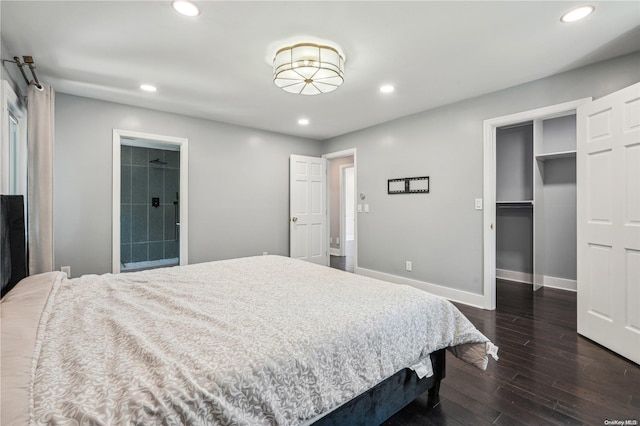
<point>66,270</point>
<point>408,265</point>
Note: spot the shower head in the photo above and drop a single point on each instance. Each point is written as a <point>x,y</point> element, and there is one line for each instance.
<point>158,161</point>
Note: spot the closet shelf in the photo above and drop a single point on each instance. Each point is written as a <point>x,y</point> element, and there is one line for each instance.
<point>516,202</point>
<point>556,155</point>
<point>526,204</point>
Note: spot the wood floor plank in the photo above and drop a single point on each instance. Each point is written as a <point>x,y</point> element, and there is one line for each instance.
<point>567,403</point>
<point>482,412</point>
<point>538,408</point>
<point>507,420</point>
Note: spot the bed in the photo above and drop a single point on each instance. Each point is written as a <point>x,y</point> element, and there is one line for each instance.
<point>253,341</point>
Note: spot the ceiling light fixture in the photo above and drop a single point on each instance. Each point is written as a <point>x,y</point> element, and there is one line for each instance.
<point>303,121</point>
<point>148,88</point>
<point>185,8</point>
<point>577,14</point>
<point>387,88</point>
<point>308,68</point>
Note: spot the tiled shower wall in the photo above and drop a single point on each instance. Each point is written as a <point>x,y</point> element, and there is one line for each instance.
<point>146,232</point>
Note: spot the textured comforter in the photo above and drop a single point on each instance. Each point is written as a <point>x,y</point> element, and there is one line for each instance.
<point>253,341</point>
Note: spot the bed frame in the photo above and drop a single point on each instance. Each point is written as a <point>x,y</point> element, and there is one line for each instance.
<point>388,397</point>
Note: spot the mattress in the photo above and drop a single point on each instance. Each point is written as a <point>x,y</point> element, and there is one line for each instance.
<point>252,341</point>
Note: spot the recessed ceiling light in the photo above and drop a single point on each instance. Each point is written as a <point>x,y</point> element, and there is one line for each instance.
<point>303,121</point>
<point>148,88</point>
<point>577,14</point>
<point>185,8</point>
<point>387,88</point>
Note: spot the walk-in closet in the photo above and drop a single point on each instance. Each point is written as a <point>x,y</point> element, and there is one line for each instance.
<point>536,202</point>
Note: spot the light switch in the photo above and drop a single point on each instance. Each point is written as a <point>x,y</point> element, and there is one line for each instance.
<point>359,208</point>
<point>366,208</point>
<point>478,203</point>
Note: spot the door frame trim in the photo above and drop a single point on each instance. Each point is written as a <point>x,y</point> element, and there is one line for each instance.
<point>332,156</point>
<point>489,184</point>
<point>149,140</point>
<point>343,207</point>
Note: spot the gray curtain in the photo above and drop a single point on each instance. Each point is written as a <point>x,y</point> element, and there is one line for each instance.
<point>40,141</point>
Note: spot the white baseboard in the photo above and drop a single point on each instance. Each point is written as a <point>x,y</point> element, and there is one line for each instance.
<point>465,297</point>
<point>461,296</point>
<point>560,283</point>
<point>334,251</point>
<point>547,281</point>
<point>519,277</point>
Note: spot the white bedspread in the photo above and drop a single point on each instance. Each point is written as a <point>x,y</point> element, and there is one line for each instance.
<point>253,341</point>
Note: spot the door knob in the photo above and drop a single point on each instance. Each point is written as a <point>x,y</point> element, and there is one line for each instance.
<point>294,219</point>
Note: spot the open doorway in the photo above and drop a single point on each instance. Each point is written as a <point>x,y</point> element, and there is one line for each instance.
<point>520,239</point>
<point>149,201</point>
<point>341,204</point>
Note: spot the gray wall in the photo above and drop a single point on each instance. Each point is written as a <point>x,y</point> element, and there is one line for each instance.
<point>514,163</point>
<point>559,134</point>
<point>440,232</point>
<point>334,197</point>
<point>560,224</point>
<point>238,180</point>
<point>514,239</point>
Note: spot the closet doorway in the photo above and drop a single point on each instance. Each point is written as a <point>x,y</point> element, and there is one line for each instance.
<point>529,198</point>
<point>150,222</point>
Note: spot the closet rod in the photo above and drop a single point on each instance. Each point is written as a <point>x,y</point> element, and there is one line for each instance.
<point>28,60</point>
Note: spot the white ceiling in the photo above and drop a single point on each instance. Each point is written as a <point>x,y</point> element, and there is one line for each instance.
<point>217,65</point>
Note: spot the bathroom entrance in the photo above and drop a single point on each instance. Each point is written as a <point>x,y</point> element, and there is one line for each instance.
<point>150,202</point>
<point>149,208</point>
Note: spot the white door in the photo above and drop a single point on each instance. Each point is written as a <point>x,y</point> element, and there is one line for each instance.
<point>608,172</point>
<point>308,209</point>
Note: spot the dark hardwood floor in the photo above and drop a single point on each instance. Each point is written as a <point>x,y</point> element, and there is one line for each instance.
<point>344,263</point>
<point>547,373</point>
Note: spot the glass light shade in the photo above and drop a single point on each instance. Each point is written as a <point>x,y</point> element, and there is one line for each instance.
<point>308,69</point>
